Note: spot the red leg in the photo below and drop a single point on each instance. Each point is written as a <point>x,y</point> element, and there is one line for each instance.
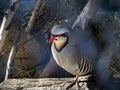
<point>72,82</point>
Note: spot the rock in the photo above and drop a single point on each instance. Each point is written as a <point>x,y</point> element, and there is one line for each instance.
<point>40,84</point>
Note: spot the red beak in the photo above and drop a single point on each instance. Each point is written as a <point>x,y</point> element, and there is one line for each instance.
<point>52,38</point>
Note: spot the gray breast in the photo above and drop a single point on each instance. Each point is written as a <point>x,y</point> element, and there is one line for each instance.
<point>71,60</point>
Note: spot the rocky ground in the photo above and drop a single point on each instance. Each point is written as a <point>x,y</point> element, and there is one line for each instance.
<point>42,84</point>
<point>50,84</point>
<point>35,84</point>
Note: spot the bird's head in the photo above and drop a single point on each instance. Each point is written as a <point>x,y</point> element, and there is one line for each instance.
<point>59,36</point>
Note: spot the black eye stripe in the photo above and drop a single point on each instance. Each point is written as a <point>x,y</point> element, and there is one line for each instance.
<point>54,35</point>
<point>63,35</point>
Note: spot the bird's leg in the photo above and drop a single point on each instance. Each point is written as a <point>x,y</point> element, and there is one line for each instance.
<point>73,82</point>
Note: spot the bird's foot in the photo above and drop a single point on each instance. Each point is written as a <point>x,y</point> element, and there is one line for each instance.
<point>72,84</point>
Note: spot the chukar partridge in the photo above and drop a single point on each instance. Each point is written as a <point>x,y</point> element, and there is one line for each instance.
<point>74,51</point>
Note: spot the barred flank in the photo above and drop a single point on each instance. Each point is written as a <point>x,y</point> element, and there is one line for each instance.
<point>85,65</point>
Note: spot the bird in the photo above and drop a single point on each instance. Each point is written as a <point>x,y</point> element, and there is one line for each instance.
<point>73,50</point>
<point>77,53</point>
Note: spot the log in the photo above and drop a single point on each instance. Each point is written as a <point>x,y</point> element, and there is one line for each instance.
<point>38,8</point>
<point>87,13</point>
<point>35,14</point>
<point>11,55</point>
<point>39,84</point>
<point>7,20</point>
<point>49,84</point>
